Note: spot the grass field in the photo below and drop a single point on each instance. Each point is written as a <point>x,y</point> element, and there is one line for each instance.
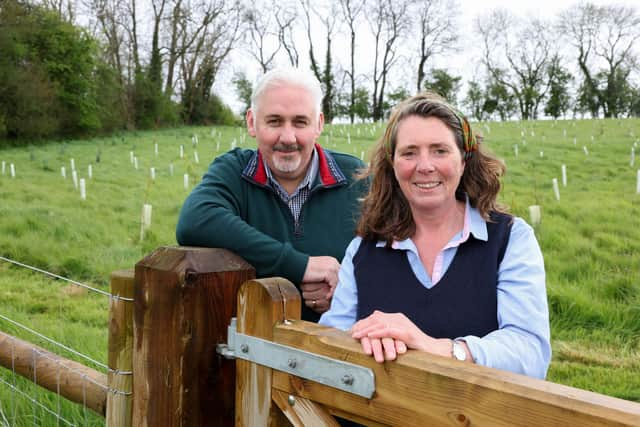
<point>590,237</point>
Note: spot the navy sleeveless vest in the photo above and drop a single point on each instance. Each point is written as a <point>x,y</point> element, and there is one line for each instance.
<point>464,302</point>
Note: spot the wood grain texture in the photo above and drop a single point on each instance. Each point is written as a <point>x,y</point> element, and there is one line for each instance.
<point>184,300</point>
<point>303,412</point>
<point>262,303</point>
<point>120,362</point>
<point>421,389</point>
<point>74,381</point>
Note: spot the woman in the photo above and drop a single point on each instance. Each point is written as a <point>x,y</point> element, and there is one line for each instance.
<point>438,265</point>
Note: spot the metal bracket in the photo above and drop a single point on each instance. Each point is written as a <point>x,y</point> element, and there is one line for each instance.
<point>325,370</point>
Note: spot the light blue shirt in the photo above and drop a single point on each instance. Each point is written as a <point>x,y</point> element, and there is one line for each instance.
<point>521,343</point>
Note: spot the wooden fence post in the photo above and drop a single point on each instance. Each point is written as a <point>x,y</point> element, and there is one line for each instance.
<point>120,375</point>
<point>184,300</point>
<point>261,304</point>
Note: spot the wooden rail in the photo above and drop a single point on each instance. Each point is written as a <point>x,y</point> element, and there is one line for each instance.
<point>416,390</point>
<point>72,380</point>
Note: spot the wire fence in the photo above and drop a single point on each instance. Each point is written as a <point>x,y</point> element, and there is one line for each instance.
<point>29,404</point>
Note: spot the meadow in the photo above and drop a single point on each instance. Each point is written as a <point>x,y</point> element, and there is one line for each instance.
<point>590,238</point>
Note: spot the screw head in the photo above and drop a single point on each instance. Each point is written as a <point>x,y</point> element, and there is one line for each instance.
<point>347,379</point>
<point>292,363</point>
<point>244,348</point>
<point>291,400</point>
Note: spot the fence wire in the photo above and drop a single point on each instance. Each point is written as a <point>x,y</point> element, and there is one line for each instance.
<point>57,276</point>
<point>37,353</point>
<point>35,403</point>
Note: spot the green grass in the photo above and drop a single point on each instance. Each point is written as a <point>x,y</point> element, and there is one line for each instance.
<point>590,238</point>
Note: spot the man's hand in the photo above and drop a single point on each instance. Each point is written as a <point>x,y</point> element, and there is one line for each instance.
<point>322,269</point>
<point>319,281</point>
<point>317,296</point>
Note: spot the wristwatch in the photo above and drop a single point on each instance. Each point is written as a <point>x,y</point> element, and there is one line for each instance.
<point>458,352</point>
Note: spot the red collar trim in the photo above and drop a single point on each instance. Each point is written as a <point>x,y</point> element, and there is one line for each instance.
<point>326,176</point>
<point>261,174</point>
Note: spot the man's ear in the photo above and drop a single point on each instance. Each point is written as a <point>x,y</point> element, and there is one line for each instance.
<point>251,123</point>
<point>320,123</point>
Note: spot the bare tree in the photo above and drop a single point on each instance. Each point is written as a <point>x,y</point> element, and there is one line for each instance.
<point>605,37</point>
<point>436,22</point>
<point>176,25</point>
<point>387,22</point>
<point>517,54</point>
<point>264,42</point>
<point>286,16</point>
<point>214,33</point>
<point>112,26</point>
<point>351,11</point>
<point>187,24</point>
<point>324,75</point>
<point>64,8</point>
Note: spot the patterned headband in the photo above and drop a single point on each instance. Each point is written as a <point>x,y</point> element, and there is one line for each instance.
<point>468,137</point>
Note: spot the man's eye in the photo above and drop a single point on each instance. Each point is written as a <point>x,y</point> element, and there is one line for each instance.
<point>301,123</point>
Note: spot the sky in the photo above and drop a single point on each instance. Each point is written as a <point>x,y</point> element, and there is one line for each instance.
<point>455,62</point>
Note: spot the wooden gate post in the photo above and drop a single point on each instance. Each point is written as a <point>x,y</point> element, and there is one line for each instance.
<point>184,300</point>
<point>261,304</point>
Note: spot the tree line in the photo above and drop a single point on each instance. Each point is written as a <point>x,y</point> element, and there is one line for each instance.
<point>71,68</point>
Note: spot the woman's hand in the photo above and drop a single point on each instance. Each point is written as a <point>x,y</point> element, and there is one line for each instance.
<point>385,335</point>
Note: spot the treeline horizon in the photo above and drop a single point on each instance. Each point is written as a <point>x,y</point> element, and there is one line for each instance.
<point>135,67</point>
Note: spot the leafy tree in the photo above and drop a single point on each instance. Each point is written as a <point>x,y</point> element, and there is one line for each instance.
<point>361,104</point>
<point>69,57</point>
<point>48,74</point>
<point>474,100</point>
<point>393,98</point>
<point>587,100</point>
<point>634,105</point>
<point>444,84</point>
<point>559,99</point>
<point>244,88</point>
<point>500,100</point>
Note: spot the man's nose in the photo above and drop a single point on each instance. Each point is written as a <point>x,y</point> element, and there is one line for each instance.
<point>288,134</point>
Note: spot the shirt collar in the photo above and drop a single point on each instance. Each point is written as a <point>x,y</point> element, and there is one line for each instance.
<point>474,225</point>
<point>312,171</point>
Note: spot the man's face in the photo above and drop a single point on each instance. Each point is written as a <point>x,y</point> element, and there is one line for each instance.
<point>286,127</point>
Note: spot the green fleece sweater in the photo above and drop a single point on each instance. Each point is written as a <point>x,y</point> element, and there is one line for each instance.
<point>234,208</point>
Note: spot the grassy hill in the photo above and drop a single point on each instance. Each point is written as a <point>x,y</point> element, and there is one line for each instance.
<point>590,238</point>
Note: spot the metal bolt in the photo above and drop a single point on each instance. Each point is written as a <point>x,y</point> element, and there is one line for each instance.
<point>292,363</point>
<point>292,400</point>
<point>244,348</point>
<point>347,379</point>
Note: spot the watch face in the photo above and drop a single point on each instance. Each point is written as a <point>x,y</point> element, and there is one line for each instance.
<point>458,352</point>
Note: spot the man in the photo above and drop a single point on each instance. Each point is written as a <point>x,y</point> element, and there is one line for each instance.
<point>288,208</point>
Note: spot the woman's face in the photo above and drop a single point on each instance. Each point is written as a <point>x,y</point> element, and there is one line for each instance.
<point>427,164</point>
